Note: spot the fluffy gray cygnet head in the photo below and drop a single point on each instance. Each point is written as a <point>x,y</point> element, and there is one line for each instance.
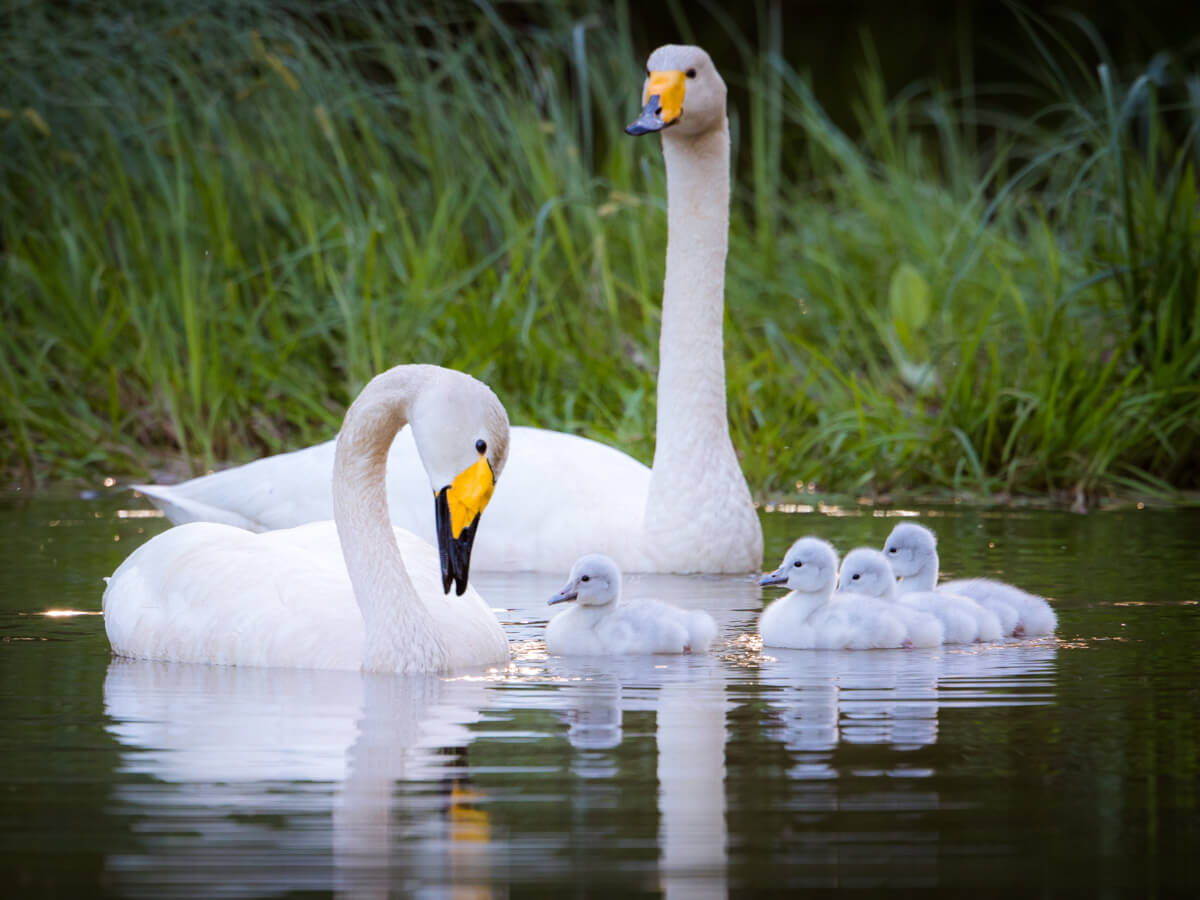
<point>866,571</point>
<point>910,548</point>
<point>595,580</point>
<point>809,566</point>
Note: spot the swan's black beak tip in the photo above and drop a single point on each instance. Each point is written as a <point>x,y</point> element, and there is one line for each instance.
<point>454,552</point>
<point>649,120</point>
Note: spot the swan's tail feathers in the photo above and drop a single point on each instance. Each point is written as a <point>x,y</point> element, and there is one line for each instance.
<point>701,629</point>
<point>181,509</point>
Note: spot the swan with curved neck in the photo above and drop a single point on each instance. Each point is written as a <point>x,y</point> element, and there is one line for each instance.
<point>348,594</point>
<point>564,496</point>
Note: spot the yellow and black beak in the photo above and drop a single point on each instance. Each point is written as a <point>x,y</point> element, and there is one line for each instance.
<point>663,102</point>
<point>456,512</point>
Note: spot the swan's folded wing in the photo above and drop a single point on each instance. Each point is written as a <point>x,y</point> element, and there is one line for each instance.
<point>276,492</point>
<point>212,593</point>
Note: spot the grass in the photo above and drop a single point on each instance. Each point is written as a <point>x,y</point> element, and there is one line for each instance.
<point>215,226</point>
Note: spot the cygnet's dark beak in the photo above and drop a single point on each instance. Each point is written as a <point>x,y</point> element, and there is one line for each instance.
<point>455,552</point>
<point>570,592</point>
<point>779,576</point>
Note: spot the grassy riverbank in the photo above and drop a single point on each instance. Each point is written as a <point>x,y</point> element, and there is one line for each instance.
<point>216,227</point>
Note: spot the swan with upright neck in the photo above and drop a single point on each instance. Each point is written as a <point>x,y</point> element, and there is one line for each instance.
<point>353,593</point>
<point>564,496</point>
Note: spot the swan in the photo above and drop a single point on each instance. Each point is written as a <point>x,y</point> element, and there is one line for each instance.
<point>865,572</point>
<point>912,551</point>
<point>600,624</point>
<point>564,496</point>
<point>347,594</point>
<point>813,617</point>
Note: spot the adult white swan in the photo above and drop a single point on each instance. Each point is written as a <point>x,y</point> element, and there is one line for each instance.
<point>348,594</point>
<point>564,496</point>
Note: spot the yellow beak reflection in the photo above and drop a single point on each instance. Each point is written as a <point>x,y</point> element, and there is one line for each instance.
<point>663,102</point>
<point>456,511</point>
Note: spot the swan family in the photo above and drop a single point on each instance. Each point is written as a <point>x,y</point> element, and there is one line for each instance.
<point>330,557</point>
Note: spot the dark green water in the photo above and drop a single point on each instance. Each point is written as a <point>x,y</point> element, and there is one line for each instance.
<point>1051,767</point>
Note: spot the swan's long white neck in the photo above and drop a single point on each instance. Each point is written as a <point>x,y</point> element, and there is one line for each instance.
<point>397,626</point>
<point>925,578</point>
<point>694,462</point>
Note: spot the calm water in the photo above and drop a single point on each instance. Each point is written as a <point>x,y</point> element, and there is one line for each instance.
<point>1054,767</point>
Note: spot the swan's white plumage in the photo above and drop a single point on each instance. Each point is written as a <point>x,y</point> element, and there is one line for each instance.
<point>600,623</point>
<point>912,551</point>
<point>813,617</point>
<point>692,513</point>
<point>215,593</point>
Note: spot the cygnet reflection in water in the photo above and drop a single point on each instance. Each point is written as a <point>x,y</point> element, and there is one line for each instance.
<point>601,623</point>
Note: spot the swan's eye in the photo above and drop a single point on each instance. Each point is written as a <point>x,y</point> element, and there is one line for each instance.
<point>891,549</point>
<point>797,564</point>
<point>481,445</point>
<point>690,73</point>
<point>586,578</point>
<point>647,71</point>
<point>854,577</point>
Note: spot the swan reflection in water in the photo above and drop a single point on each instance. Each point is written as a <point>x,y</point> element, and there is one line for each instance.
<point>261,764</point>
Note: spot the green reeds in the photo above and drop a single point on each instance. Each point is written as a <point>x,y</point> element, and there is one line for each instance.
<point>217,225</point>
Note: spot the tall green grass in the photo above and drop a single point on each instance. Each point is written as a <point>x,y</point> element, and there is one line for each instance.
<point>217,225</point>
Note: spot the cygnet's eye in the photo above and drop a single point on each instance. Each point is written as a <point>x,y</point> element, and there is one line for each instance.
<point>891,549</point>
<point>586,578</point>
<point>854,577</point>
<point>481,445</point>
<point>690,73</point>
<point>797,564</point>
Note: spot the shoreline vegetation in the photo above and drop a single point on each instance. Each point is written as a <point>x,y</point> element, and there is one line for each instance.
<point>215,227</point>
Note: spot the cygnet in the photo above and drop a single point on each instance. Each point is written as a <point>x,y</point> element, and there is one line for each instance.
<point>865,573</point>
<point>600,623</point>
<point>912,551</point>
